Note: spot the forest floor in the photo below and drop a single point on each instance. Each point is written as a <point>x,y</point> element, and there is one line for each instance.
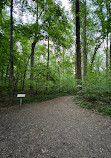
<point>57,128</point>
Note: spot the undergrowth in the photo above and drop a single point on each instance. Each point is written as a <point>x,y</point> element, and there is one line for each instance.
<point>5,101</point>
<point>96,94</point>
<point>96,106</point>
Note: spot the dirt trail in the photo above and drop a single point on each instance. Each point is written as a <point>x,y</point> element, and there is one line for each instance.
<point>54,129</point>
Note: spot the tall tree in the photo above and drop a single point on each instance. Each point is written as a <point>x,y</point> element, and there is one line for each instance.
<point>107,9</point>
<point>78,50</point>
<point>48,53</point>
<point>110,51</point>
<point>48,58</point>
<point>11,52</point>
<point>33,47</point>
<point>102,14</point>
<point>84,43</point>
<point>107,51</point>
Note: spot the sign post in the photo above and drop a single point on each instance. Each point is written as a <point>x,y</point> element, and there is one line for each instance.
<point>20,96</point>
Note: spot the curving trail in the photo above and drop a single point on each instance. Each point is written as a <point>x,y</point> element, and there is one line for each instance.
<point>54,129</point>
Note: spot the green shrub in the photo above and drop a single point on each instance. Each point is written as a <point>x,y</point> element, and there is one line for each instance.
<point>104,110</point>
<point>96,86</point>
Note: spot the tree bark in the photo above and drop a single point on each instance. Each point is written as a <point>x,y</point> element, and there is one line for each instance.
<point>47,76</point>
<point>110,35</point>
<point>84,43</point>
<point>78,52</point>
<point>23,83</point>
<point>48,59</point>
<point>59,75</point>
<point>63,60</point>
<point>32,50</point>
<point>107,51</point>
<point>110,51</point>
<point>32,60</point>
<point>107,7</point>
<point>11,54</point>
<point>55,60</point>
<point>95,51</point>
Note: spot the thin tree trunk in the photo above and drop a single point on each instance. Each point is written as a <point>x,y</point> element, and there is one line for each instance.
<point>110,34</point>
<point>95,51</point>
<point>48,60</point>
<point>107,56</point>
<point>23,84</point>
<point>78,52</point>
<point>107,51</point>
<point>76,65</point>
<point>107,41</point>
<point>107,38</point>
<point>47,77</point>
<point>55,60</point>
<point>32,60</point>
<point>32,51</point>
<point>32,65</point>
<point>84,43</point>
<point>59,75</point>
<point>11,53</point>
<point>110,51</point>
<point>63,61</point>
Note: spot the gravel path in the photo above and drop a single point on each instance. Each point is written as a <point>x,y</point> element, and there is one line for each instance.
<point>54,129</point>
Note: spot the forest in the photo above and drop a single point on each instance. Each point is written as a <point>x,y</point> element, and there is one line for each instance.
<point>47,50</point>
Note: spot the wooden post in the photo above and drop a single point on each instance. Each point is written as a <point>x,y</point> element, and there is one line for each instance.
<point>20,102</point>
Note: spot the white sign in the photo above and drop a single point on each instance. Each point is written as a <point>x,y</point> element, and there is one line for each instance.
<point>20,95</point>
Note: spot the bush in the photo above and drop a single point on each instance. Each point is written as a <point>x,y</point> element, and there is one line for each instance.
<point>96,86</point>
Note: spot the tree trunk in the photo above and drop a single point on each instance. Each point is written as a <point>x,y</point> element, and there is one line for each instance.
<point>78,52</point>
<point>63,60</point>
<point>55,60</point>
<point>108,15</point>
<point>23,84</point>
<point>95,51</point>
<point>107,51</point>
<point>84,43</point>
<point>47,77</point>
<point>32,64</point>
<point>59,75</point>
<point>48,60</point>
<point>110,51</point>
<point>32,60</point>
<point>110,34</point>
<point>11,54</point>
<point>32,50</point>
